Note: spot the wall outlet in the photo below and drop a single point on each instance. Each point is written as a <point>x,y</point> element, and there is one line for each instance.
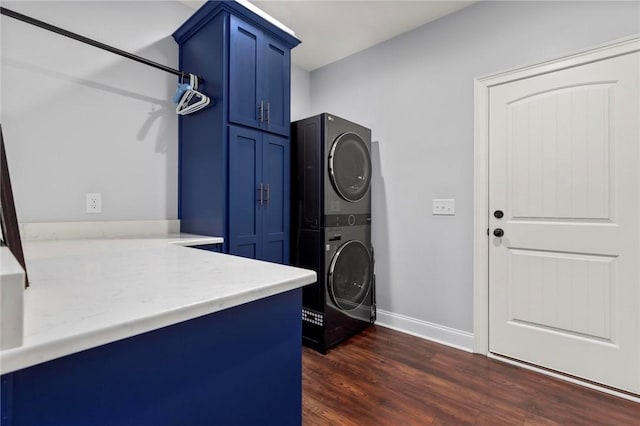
<point>94,202</point>
<point>444,207</point>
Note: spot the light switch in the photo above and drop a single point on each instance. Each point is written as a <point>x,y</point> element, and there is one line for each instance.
<point>444,206</point>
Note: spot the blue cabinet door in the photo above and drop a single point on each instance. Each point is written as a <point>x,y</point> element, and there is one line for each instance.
<point>246,197</point>
<point>246,103</point>
<point>275,215</point>
<point>276,86</point>
<point>259,79</point>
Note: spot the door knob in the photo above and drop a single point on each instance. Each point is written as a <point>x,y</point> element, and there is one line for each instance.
<point>498,214</point>
<point>498,232</point>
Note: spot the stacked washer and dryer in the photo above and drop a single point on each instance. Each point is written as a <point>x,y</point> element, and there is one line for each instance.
<point>331,227</point>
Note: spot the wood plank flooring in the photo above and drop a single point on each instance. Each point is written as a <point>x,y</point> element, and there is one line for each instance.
<point>383,377</point>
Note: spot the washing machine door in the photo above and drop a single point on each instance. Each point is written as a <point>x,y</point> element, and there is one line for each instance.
<point>350,166</point>
<point>350,275</point>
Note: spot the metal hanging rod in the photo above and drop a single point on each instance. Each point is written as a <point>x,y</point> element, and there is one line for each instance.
<point>94,43</point>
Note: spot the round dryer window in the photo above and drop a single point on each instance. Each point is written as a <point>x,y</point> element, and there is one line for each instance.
<point>350,275</point>
<point>350,166</point>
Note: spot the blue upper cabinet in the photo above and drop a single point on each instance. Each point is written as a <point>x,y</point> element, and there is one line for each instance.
<point>234,155</point>
<point>259,79</point>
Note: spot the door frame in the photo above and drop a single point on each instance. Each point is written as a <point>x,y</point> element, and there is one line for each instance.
<point>481,166</point>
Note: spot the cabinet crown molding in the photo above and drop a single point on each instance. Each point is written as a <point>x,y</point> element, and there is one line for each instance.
<point>212,8</point>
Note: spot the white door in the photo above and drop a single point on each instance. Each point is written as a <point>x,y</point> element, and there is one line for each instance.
<point>564,282</point>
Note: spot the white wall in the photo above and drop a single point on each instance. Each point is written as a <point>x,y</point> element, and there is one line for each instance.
<point>300,93</point>
<point>1,20</point>
<point>77,119</point>
<point>416,93</point>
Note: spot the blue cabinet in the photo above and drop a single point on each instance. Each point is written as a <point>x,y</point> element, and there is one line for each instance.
<point>241,142</point>
<point>259,79</point>
<point>259,177</point>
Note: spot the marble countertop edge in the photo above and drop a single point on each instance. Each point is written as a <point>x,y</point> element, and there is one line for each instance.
<point>24,357</point>
<point>131,270</point>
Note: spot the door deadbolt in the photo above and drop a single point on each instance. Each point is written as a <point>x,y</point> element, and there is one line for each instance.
<point>498,214</point>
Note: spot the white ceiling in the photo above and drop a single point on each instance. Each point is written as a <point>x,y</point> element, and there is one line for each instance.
<point>332,30</point>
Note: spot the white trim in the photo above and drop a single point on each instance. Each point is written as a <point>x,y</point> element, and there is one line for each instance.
<point>481,163</point>
<point>481,220</point>
<point>107,229</point>
<point>602,51</point>
<point>565,378</point>
<point>436,333</point>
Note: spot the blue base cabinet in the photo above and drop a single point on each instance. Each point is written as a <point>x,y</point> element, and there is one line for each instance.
<point>240,366</point>
<point>259,183</point>
<point>234,171</point>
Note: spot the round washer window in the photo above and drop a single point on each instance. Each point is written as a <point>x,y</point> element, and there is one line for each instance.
<point>350,275</point>
<point>350,166</point>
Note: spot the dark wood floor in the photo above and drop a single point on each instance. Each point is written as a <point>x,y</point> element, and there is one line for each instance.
<point>383,377</point>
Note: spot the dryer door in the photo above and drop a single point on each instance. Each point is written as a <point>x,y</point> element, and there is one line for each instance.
<point>350,275</point>
<point>350,166</point>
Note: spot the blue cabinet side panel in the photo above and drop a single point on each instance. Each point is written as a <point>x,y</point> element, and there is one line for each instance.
<point>276,174</point>
<point>240,366</point>
<point>202,188</point>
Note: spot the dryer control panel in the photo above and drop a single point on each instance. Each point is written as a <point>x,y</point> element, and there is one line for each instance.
<point>335,220</point>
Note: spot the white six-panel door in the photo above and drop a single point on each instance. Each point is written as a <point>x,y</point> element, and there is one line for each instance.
<point>564,280</point>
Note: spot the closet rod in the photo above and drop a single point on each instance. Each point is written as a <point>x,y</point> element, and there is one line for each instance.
<point>29,20</point>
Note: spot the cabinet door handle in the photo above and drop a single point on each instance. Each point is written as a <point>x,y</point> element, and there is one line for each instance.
<point>268,194</point>
<point>268,113</point>
<point>260,109</point>
<point>260,190</point>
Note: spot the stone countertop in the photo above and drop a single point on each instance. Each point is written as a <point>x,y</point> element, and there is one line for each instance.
<point>89,292</point>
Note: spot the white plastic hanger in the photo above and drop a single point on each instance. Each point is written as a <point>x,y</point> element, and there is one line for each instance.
<point>192,100</point>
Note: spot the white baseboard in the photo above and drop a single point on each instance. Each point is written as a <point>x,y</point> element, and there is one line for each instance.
<point>437,333</point>
<point>107,229</point>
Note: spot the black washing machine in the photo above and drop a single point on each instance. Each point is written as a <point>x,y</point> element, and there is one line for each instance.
<point>331,174</point>
<point>342,302</point>
<point>331,227</point>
